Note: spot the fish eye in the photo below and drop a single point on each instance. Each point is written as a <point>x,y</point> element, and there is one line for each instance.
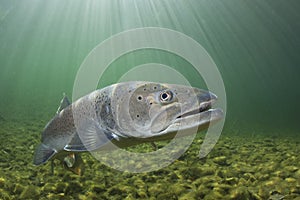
<point>139,98</point>
<point>166,96</point>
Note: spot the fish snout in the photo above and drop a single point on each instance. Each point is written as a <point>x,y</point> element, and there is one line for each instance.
<point>205,99</point>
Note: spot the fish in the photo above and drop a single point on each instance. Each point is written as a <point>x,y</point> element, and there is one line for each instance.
<point>126,114</point>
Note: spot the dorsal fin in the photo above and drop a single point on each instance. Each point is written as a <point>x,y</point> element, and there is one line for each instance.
<point>63,103</point>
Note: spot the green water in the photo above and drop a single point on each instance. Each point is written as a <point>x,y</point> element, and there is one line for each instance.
<point>254,43</point>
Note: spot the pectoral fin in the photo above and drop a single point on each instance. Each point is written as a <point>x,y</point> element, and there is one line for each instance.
<point>90,137</point>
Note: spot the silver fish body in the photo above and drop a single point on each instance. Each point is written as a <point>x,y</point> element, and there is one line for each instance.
<point>126,114</point>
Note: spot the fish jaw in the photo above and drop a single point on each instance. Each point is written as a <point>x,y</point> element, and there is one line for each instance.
<point>195,112</point>
<point>201,121</point>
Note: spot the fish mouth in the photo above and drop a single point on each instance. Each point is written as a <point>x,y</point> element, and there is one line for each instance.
<point>205,106</point>
<point>200,117</point>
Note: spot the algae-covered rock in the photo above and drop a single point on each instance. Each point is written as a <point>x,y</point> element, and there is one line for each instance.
<point>4,195</point>
<point>222,188</point>
<point>281,174</point>
<point>231,180</point>
<point>60,187</point>
<point>263,192</point>
<point>99,188</point>
<point>48,187</point>
<point>30,192</point>
<point>290,180</point>
<point>167,195</point>
<point>291,168</point>
<point>139,183</point>
<point>240,192</point>
<point>18,188</point>
<point>177,188</point>
<point>73,188</point>
<point>207,170</point>
<point>156,189</point>
<point>226,173</point>
<point>142,194</point>
<point>188,196</point>
<point>202,191</point>
<point>296,189</point>
<point>297,174</point>
<point>2,182</point>
<point>221,160</point>
<point>276,196</point>
<point>213,195</point>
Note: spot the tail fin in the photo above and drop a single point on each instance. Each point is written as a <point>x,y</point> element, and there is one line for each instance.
<point>42,154</point>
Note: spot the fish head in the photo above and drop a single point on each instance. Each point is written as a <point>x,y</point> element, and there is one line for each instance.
<point>154,109</point>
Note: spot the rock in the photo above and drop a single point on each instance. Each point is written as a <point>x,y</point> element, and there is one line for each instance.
<point>290,180</point>
<point>297,174</point>
<point>2,182</point>
<point>231,180</point>
<point>48,187</point>
<point>60,187</point>
<point>30,192</point>
<point>4,195</point>
<point>291,168</point>
<point>225,173</point>
<point>281,174</point>
<point>73,188</point>
<point>177,189</point>
<point>157,188</point>
<point>276,196</point>
<point>139,183</point>
<point>250,177</point>
<point>222,188</point>
<point>18,189</point>
<point>115,191</point>
<point>205,171</point>
<point>239,193</point>
<point>202,191</point>
<point>296,190</point>
<point>142,194</point>
<point>188,196</point>
<point>99,188</point>
<point>221,160</point>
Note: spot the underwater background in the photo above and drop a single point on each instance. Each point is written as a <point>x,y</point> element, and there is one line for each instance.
<point>255,45</point>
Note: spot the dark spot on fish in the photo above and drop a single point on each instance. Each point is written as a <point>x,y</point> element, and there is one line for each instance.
<point>154,87</point>
<point>137,115</point>
<point>145,89</point>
